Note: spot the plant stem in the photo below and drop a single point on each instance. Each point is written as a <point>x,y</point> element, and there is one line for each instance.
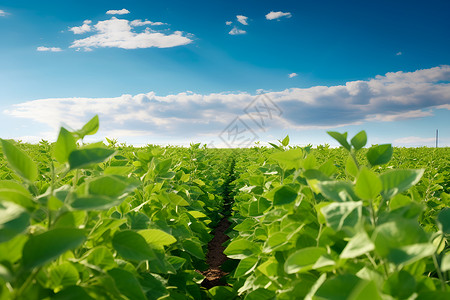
<point>438,270</point>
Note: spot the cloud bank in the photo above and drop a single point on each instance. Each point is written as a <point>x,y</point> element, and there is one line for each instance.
<point>391,97</point>
<point>120,33</point>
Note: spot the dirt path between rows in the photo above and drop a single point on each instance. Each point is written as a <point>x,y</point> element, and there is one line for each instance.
<point>215,257</point>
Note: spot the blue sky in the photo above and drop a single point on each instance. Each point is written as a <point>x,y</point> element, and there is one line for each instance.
<point>178,72</point>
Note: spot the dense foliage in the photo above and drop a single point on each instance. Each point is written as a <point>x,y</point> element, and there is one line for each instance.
<point>95,221</point>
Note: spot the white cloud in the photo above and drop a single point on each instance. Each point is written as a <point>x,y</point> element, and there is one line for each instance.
<point>278,14</point>
<point>414,140</point>
<point>119,33</point>
<point>146,22</point>
<point>50,49</point>
<point>293,75</point>
<point>3,13</point>
<point>122,11</point>
<point>392,97</point>
<point>242,19</point>
<point>228,22</point>
<point>236,31</point>
<point>83,28</point>
<point>398,53</point>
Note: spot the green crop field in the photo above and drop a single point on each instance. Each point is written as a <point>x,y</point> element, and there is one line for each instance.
<point>96,221</point>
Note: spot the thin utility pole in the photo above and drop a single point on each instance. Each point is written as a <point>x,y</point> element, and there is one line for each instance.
<point>437,137</point>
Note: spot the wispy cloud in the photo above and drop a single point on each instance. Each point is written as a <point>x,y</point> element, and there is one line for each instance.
<point>236,31</point>
<point>398,53</point>
<point>228,22</point>
<point>119,33</point>
<point>83,28</point>
<point>387,98</point>
<point>242,19</point>
<point>3,13</point>
<point>146,22</point>
<point>49,49</point>
<point>273,15</point>
<point>122,11</point>
<point>415,140</point>
<point>293,75</point>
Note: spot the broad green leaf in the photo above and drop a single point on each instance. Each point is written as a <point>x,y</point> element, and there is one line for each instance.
<point>177,200</point>
<point>368,185</point>
<point>13,220</point>
<point>341,138</point>
<point>443,220</point>
<point>397,181</point>
<point>197,214</point>
<point>350,167</point>
<point>64,274</point>
<point>358,245</point>
<point>42,248</point>
<point>366,290</point>
<point>290,159</point>
<point>397,233</point>
<point>222,293</point>
<point>15,192</point>
<point>131,245</point>
<point>74,292</point>
<point>194,248</point>
<point>359,140</point>
<point>70,219</point>
<point>260,294</point>
<point>95,202</point>
<point>341,214</point>
<point>339,191</point>
<point>111,185</point>
<point>90,128</point>
<point>65,144</point>
<point>11,250</point>
<point>380,154</point>
<point>19,161</point>
<point>285,141</point>
<point>303,260</point>
<point>246,266</point>
<point>102,257</point>
<point>240,249</point>
<point>157,237</point>
<point>411,253</point>
<point>400,285</point>
<point>445,263</point>
<point>82,158</point>
<point>328,168</point>
<point>338,288</point>
<point>127,284</point>
<point>284,195</point>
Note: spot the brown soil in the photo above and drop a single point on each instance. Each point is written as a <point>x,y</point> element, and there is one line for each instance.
<point>215,256</point>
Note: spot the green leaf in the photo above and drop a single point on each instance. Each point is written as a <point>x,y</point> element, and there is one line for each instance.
<point>303,260</point>
<point>131,245</point>
<point>157,238</point>
<point>290,159</point>
<point>15,192</point>
<point>102,257</point>
<point>240,249</point>
<point>350,167</point>
<point>284,195</point>
<point>358,245</point>
<point>397,181</point>
<point>42,248</point>
<point>194,248</point>
<point>65,144</point>
<point>127,284</point>
<point>111,185</point>
<point>19,161</point>
<point>81,158</point>
<point>342,214</point>
<point>222,293</point>
<point>368,185</point>
<point>341,138</point>
<point>246,266</point>
<point>285,141</point>
<point>443,220</point>
<point>339,191</point>
<point>64,274</point>
<point>89,128</point>
<point>72,293</point>
<point>445,263</point>
<point>380,154</point>
<point>260,294</point>
<point>13,220</point>
<point>95,203</point>
<point>338,288</point>
<point>359,140</point>
<point>411,253</point>
<point>400,285</point>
